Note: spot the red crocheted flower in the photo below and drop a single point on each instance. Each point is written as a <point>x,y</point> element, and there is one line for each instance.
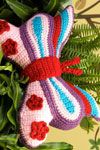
<point>9,47</point>
<point>4,26</point>
<point>34,102</point>
<point>39,130</point>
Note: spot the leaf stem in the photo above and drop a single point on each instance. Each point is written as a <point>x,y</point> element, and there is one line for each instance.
<point>88,16</point>
<point>96,134</point>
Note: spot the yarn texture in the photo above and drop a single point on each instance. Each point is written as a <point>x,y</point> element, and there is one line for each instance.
<point>49,100</point>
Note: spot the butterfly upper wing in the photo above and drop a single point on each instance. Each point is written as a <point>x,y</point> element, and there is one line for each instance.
<point>63,24</point>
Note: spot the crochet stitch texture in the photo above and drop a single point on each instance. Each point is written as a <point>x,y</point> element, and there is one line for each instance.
<point>49,100</point>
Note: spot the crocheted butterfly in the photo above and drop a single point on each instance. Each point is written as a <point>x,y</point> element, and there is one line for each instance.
<point>36,47</point>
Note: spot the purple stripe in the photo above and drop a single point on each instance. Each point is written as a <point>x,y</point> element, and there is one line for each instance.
<point>58,120</point>
<point>50,36</point>
<point>26,41</point>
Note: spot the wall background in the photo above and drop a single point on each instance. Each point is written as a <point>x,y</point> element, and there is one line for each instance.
<point>77,137</point>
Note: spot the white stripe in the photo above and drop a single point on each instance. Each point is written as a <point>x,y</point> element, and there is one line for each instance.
<point>70,23</point>
<point>33,39</point>
<point>45,32</point>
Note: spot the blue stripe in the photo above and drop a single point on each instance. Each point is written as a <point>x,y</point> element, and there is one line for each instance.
<point>67,103</point>
<point>64,24</point>
<point>92,102</point>
<point>37,28</point>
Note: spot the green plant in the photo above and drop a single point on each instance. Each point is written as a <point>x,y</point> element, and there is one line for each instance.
<point>95,142</point>
<point>85,43</point>
<point>18,11</point>
<point>88,124</point>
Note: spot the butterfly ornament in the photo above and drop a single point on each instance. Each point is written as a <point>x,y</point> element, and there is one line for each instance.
<point>49,100</point>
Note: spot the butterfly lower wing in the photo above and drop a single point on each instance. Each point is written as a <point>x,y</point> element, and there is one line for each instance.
<point>95,110</point>
<point>91,107</point>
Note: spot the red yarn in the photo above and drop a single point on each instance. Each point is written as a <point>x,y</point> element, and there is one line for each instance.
<point>4,26</point>
<point>74,71</point>
<point>48,67</point>
<point>9,47</point>
<point>57,29</point>
<point>84,99</point>
<point>34,102</point>
<point>39,130</point>
<point>72,62</point>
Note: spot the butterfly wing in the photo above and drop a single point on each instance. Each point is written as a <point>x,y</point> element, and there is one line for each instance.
<point>91,107</point>
<point>63,24</point>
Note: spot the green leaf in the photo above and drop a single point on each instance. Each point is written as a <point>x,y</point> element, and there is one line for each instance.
<point>15,92</point>
<point>65,3</point>
<point>11,114</point>
<point>87,124</point>
<point>5,13</point>
<point>1,56</point>
<point>55,146</point>
<point>93,147</point>
<point>9,139</point>
<point>7,67</point>
<point>2,7</point>
<point>15,147</point>
<point>97,148</point>
<point>5,78</point>
<point>52,5</point>
<point>3,145</point>
<point>46,146</point>
<point>17,95</point>
<point>3,117</point>
<point>29,2</point>
<point>98,142</point>
<point>24,80</point>
<point>3,89</point>
<point>21,10</point>
<point>92,141</point>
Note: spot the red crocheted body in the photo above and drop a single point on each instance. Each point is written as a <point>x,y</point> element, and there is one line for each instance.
<point>43,68</point>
